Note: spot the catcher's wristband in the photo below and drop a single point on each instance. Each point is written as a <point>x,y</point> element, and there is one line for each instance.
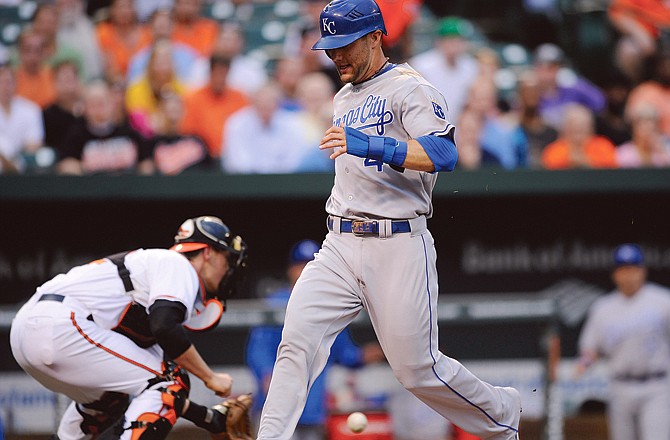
<point>381,148</point>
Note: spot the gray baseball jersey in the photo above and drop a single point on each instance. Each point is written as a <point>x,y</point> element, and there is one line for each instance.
<point>633,334</point>
<point>399,104</point>
<point>392,275</point>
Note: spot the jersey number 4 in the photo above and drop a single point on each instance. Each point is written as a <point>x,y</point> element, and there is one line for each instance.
<point>380,165</point>
<point>374,163</point>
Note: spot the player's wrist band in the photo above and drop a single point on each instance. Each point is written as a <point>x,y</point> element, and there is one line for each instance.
<point>384,149</point>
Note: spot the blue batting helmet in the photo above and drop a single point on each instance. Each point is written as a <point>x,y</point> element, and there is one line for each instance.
<point>344,21</point>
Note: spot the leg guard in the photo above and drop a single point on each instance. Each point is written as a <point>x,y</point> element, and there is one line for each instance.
<point>173,385</point>
<point>101,415</point>
<point>150,426</point>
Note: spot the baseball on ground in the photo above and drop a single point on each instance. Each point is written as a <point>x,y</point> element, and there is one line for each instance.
<point>357,421</point>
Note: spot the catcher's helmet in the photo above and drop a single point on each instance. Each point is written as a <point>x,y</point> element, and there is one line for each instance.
<point>344,21</point>
<point>200,232</point>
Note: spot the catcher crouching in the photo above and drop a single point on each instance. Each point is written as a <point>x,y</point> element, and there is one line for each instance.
<point>101,332</point>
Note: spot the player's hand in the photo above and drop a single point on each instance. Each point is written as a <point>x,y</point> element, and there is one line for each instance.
<point>334,138</point>
<point>220,383</point>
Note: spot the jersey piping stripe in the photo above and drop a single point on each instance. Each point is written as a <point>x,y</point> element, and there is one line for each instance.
<point>108,350</point>
<point>430,311</point>
<point>445,131</point>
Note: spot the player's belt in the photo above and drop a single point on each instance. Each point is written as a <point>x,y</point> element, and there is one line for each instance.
<point>51,297</point>
<point>368,227</point>
<point>640,377</point>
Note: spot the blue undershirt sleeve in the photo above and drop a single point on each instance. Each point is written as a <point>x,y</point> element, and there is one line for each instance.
<point>441,150</point>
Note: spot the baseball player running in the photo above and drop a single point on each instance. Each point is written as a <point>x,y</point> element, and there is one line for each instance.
<point>630,328</point>
<point>99,333</point>
<point>390,137</point>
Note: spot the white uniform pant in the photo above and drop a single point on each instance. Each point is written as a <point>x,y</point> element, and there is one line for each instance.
<point>68,354</point>
<point>639,410</point>
<point>395,280</point>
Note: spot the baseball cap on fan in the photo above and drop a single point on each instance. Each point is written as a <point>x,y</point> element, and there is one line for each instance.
<point>454,27</point>
<point>628,254</point>
<point>548,54</point>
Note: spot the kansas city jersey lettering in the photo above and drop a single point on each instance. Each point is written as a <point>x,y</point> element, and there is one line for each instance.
<point>372,113</point>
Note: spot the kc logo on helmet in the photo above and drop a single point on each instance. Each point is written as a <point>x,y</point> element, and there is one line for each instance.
<point>328,25</point>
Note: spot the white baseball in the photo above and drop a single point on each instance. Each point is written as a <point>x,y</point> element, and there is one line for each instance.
<point>357,421</point>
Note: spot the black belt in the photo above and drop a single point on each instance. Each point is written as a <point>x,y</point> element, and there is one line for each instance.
<point>51,297</point>
<point>640,377</point>
<point>368,227</point>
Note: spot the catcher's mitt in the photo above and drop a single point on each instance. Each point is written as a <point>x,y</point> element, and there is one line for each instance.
<point>238,422</point>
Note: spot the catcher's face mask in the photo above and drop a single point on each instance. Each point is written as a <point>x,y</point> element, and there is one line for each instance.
<point>197,233</point>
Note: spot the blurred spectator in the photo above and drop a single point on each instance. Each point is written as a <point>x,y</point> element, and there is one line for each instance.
<point>655,91</point>
<point>315,97</point>
<point>138,121</point>
<point>120,37</point>
<point>67,107</point>
<point>263,138</point>
<point>186,61</point>
<point>557,91</point>
<point>263,341</point>
<point>208,108</point>
<point>45,23</point>
<point>538,132</point>
<point>611,122</point>
<point>578,146</point>
<point>21,128</point>
<point>449,66</point>
<point>247,74</point>
<point>192,29</point>
<point>307,21</point>
<point>502,139</point>
<point>147,8</point>
<point>98,144</point>
<point>301,35</point>
<point>174,152</point>
<point>288,73</point>
<point>399,15</point>
<point>488,62</point>
<point>648,147</point>
<point>97,8</point>
<point>34,80</point>
<point>143,95</point>
<point>640,24</point>
<point>76,31</point>
<point>467,136</point>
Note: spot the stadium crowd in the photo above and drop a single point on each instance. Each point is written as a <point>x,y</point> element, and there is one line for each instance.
<point>163,87</point>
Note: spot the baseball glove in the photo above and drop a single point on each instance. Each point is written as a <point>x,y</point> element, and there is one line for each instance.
<point>238,422</point>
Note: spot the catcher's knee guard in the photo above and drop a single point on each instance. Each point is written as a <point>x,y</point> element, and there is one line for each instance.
<point>151,426</point>
<point>100,416</point>
<point>173,385</point>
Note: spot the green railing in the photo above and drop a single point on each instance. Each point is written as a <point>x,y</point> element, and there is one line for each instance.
<point>297,186</point>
